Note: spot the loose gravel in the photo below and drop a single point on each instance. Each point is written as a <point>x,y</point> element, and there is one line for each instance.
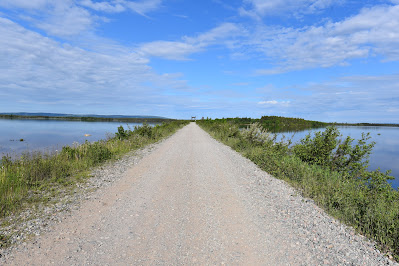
<point>192,200</point>
<point>41,218</point>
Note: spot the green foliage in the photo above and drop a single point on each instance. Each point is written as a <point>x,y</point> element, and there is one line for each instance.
<point>318,150</point>
<point>280,124</point>
<point>331,171</point>
<point>145,130</point>
<point>36,170</point>
<point>256,133</point>
<point>271,123</point>
<point>121,134</point>
<point>327,149</point>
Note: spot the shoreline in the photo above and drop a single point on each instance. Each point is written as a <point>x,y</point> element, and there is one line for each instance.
<point>31,223</point>
<point>87,119</point>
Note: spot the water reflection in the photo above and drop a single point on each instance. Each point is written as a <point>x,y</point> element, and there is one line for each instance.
<point>51,134</point>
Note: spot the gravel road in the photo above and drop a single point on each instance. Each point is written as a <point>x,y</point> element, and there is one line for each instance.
<point>194,201</point>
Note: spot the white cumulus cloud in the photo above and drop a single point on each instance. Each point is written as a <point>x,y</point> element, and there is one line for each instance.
<point>374,31</point>
<point>106,6</point>
<point>28,4</point>
<point>61,18</point>
<point>141,7</point>
<point>260,8</point>
<point>268,102</point>
<point>41,72</point>
<point>224,34</point>
<point>274,102</point>
<point>68,18</point>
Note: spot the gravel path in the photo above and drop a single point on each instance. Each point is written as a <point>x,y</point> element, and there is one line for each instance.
<point>194,201</point>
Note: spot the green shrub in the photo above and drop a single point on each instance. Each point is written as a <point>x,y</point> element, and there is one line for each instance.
<point>256,133</point>
<point>97,152</point>
<point>328,149</point>
<point>36,170</point>
<point>122,133</point>
<point>145,130</point>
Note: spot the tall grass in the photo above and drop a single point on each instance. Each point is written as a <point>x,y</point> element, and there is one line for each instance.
<point>35,171</point>
<point>332,172</point>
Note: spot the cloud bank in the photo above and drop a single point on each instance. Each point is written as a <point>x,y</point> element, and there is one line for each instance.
<point>39,70</point>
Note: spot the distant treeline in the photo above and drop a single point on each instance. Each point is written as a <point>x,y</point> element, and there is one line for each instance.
<point>276,123</point>
<point>89,119</point>
<point>365,124</point>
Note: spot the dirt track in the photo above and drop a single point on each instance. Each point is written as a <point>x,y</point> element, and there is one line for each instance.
<point>195,201</point>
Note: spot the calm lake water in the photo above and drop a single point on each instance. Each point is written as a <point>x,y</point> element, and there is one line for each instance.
<point>385,154</point>
<point>50,135</point>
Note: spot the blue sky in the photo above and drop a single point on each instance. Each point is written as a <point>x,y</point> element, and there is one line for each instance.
<point>326,60</point>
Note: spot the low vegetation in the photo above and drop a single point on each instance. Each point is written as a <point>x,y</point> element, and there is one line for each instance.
<point>33,172</point>
<point>330,170</point>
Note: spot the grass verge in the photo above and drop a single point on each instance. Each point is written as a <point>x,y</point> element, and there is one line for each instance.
<point>330,172</point>
<point>25,179</point>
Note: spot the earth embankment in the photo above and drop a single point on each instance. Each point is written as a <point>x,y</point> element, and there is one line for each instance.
<point>194,201</point>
